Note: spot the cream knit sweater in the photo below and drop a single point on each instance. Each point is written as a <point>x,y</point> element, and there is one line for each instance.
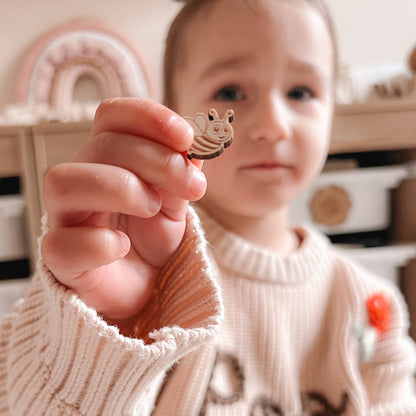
<point>281,339</point>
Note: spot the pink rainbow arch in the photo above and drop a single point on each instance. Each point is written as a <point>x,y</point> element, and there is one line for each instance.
<point>61,56</point>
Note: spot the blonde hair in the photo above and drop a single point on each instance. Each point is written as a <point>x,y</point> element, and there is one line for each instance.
<point>174,39</point>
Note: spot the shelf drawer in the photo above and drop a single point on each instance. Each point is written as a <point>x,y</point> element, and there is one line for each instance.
<point>13,236</point>
<point>349,201</point>
<point>384,261</point>
<point>10,292</point>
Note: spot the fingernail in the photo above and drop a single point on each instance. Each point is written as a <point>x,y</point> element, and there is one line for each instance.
<point>198,183</point>
<point>179,126</point>
<point>124,242</point>
<point>154,201</point>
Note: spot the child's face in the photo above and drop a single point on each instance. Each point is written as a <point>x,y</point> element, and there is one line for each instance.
<point>274,68</point>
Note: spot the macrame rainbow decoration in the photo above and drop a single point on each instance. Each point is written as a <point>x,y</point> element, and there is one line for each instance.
<point>81,48</point>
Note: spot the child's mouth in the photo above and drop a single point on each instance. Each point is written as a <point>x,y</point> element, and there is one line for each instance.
<point>266,166</point>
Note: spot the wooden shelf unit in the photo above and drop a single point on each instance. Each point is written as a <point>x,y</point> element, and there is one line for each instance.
<point>30,151</point>
<point>380,126</point>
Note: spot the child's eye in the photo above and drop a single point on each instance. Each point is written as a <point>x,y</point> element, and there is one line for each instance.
<point>229,93</point>
<point>300,94</point>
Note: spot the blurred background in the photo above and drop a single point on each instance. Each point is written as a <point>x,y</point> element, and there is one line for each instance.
<point>374,35</point>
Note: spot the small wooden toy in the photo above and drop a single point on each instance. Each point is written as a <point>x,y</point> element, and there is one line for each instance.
<point>212,134</point>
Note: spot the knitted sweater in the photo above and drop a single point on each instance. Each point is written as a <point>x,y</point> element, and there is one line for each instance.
<point>280,339</point>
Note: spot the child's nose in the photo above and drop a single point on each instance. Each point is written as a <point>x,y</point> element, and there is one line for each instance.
<point>271,120</point>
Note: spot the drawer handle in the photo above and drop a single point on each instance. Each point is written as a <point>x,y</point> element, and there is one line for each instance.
<point>330,205</point>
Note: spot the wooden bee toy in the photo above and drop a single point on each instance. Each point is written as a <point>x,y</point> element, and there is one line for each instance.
<point>212,134</point>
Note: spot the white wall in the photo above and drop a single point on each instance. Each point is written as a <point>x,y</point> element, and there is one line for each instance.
<point>371,32</point>
<point>374,32</point>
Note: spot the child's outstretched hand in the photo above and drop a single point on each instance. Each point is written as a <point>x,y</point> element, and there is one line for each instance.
<point>117,212</point>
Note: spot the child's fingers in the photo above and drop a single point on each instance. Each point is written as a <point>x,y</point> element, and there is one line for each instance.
<point>83,187</point>
<point>152,162</point>
<point>69,252</point>
<point>87,260</point>
<point>143,118</point>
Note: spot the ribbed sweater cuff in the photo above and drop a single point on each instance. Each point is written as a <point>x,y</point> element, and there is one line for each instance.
<point>87,366</point>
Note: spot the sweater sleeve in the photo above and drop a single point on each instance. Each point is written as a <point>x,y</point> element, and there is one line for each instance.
<point>57,356</point>
<point>389,375</point>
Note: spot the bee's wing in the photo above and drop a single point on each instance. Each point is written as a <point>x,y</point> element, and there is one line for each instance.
<point>199,123</point>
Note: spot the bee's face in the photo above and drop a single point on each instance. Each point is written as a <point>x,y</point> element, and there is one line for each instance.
<point>220,130</point>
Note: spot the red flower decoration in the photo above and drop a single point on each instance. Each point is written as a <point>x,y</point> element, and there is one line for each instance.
<point>379,312</point>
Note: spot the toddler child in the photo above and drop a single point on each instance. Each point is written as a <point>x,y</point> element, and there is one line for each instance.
<point>136,311</point>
